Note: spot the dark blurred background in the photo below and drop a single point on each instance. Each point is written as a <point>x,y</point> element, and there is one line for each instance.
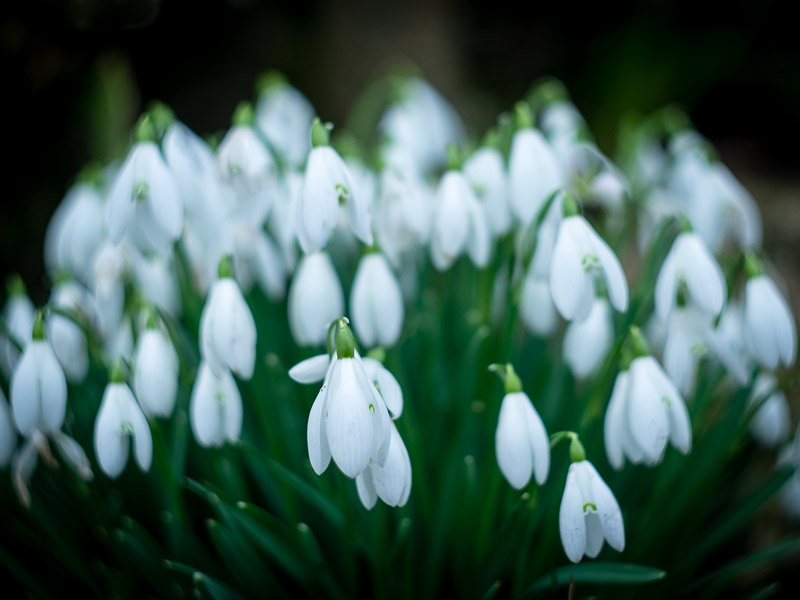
<point>76,73</point>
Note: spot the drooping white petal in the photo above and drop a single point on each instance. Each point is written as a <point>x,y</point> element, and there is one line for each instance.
<point>391,480</point>
<point>486,174</point>
<point>376,302</point>
<point>538,440</point>
<point>111,443</point>
<point>594,534</point>
<point>206,408</point>
<point>587,343</point>
<point>771,422</point>
<point>679,424</point>
<point>387,385</point>
<point>647,417</point>
<point>615,421</point>
<point>534,173</point>
<point>512,446</point>
<point>616,284</point>
<point>142,438</point>
<point>311,370</point>
<point>319,452</point>
<point>53,389</point>
<point>366,489</point>
<point>315,299</point>
<point>569,281</point>
<point>608,511</point>
<point>571,522</point>
<point>770,330</point>
<point>38,390</point>
<point>155,378</point>
<point>537,311</point>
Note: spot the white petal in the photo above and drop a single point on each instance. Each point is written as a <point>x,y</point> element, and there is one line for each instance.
<point>311,370</point>
<point>315,299</point>
<point>319,202</point>
<point>537,311</point>
<point>609,512</point>
<point>666,285</point>
<point>568,279</point>
<point>142,438</point>
<point>376,302</point>
<point>647,417</point>
<point>319,452</point>
<point>594,534</point>
<point>587,343</point>
<point>53,388</point>
<point>389,389</point>
<point>679,424</point>
<point>155,379</point>
<point>390,480</point>
<point>615,422</point>
<point>366,489</point>
<point>25,390</point>
<point>512,445</point>
<point>232,408</point>
<point>111,445</point>
<point>538,440</point>
<point>205,410</point>
<point>616,283</point>
<point>571,522</point>
<point>349,419</point>
<point>233,328</point>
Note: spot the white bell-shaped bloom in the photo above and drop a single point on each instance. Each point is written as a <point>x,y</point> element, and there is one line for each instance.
<point>118,420</point>
<point>689,262</point>
<point>459,224</point>
<point>67,338</point>
<point>215,408</point>
<point>771,422</point>
<point>390,482</point>
<point>589,514</point>
<point>521,443</point>
<point>18,315</point>
<point>534,173</point>
<point>193,164</point>
<point>578,254</point>
<point>376,302</point>
<point>107,286</point>
<point>227,329</point>
<point>155,375</point>
<point>256,258</point>
<point>645,412</point>
<point>75,231</point>
<point>770,332</point>
<point>155,276</point>
<point>244,163</point>
<point>284,116</point>
<point>315,299</point>
<point>537,311</point>
<point>118,344</point>
<point>587,343</point>
<point>145,201</point>
<point>8,436</point>
<point>486,173</point>
<point>386,385</point>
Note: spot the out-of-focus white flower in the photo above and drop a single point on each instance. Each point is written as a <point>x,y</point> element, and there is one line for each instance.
<point>459,224</point>
<point>145,201</point>
<point>18,314</point>
<point>255,258</point>
<point>281,222</point>
<point>587,343</point>
<point>533,173</point>
<point>8,437</point>
<point>157,281</point>
<point>564,127</point>
<point>155,375</point>
<point>118,420</point>
<point>107,287</point>
<point>579,253</point>
<point>244,163</point>
<point>589,514</point>
<point>118,344</point>
<point>390,482</point>
<point>770,332</point>
<point>537,311</point>
<point>215,408</point>
<point>315,299</point>
<point>376,302</point>
<point>227,328</point>
<point>194,167</point>
<point>67,338</point>
<point>772,420</point>
<point>645,412</point>
<point>521,442</point>
<point>284,116</point>
<point>486,174</point>
<point>689,262</point>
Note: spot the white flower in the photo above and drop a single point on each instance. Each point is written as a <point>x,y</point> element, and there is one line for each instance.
<point>194,167</point>
<point>390,482</point>
<point>284,116</point>
<point>67,338</point>
<point>402,213</point>
<point>145,201</point>
<point>326,182</point>
<point>533,173</point>
<point>459,224</point>
<point>521,442</point>
<point>589,514</point>
<point>689,262</point>
<point>579,253</point>
<point>18,314</point>
<point>486,174</point>
<point>348,421</point>
<point>770,332</point>
<point>227,329</point>
<point>156,279</point>
<point>118,420</point>
<point>771,422</point>
<point>376,302</point>
<point>311,370</point>
<point>537,311</point>
<point>645,412</point>
<point>155,375</point>
<point>587,343</point>
<point>107,286</point>
<point>244,162</point>
<point>215,408</point>
<point>315,299</point>
<point>8,437</point>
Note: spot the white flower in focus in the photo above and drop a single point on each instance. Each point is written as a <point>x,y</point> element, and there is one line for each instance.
<point>376,302</point>
<point>459,224</point>
<point>534,173</point>
<point>579,253</point>
<point>486,173</point>
<point>215,408</point>
<point>645,412</point>
<point>227,328</point>
<point>770,332</point>
<point>589,514</point>
<point>155,375</point>
<point>689,262</point>
<point>284,116</point>
<point>315,299</point>
<point>521,443</point>
<point>772,420</point>
<point>390,482</point>
<point>118,420</point>
<point>587,343</point>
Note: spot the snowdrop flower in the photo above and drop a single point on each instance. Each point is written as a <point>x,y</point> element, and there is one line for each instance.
<point>327,183</point>
<point>349,421</point>
<point>645,412</point>
<point>390,482</point>
<point>534,171</point>
<point>8,437</point>
<point>145,201</point>
<point>315,299</point>
<point>689,262</point>
<point>255,258</point>
<point>156,279</point>
<point>771,422</point>
<point>589,514</point>
<point>227,328</point>
<point>107,286</point>
<point>155,375</point>
<point>243,161</point>
<point>118,420</point>
<point>521,443</point>
<point>537,311</point>
<point>68,340</point>
<point>578,254</point>
<point>38,388</point>
<point>376,302</point>
<point>770,332</point>
<point>215,408</point>
<point>587,343</point>
<point>284,116</point>
<point>18,316</point>
<point>486,174</point>
<point>459,224</point>
<point>193,164</point>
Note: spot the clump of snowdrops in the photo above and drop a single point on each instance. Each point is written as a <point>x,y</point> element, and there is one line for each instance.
<point>394,359</point>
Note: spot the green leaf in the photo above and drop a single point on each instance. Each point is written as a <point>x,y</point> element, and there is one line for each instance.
<point>598,572</point>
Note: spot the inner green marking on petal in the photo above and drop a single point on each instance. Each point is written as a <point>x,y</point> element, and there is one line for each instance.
<point>699,349</point>
<point>590,506</point>
<point>343,193</point>
<point>589,262</point>
<point>372,408</point>
<point>219,397</point>
<point>126,427</point>
<point>235,169</point>
<point>666,401</point>
<point>141,191</point>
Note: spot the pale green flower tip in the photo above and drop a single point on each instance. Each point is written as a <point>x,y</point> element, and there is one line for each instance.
<point>491,139</point>
<point>320,133</point>
<point>15,286</point>
<point>91,173</point>
<point>243,115</point>
<point>345,341</point>
<point>454,158</point>
<point>117,374</point>
<point>547,91</point>
<point>523,115</point>
<point>145,129</point>
<point>270,80</point>
<point>570,206</point>
<point>225,268</point>
<point>752,266</point>
<point>161,116</point>
<point>511,381</point>
<point>38,327</point>
<point>638,343</point>
<point>576,451</point>
<point>151,320</point>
